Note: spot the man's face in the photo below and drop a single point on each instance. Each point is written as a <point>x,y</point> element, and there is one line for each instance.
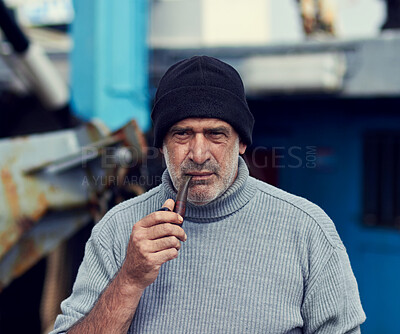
<point>206,149</point>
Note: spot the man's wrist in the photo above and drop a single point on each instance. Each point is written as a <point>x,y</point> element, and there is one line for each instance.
<point>127,285</point>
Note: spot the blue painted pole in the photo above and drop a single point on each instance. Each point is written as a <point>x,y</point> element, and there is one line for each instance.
<point>109,74</point>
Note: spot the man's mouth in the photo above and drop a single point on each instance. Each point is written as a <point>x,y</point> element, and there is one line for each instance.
<point>200,175</point>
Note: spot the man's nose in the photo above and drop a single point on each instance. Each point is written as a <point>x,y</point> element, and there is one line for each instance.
<point>199,149</point>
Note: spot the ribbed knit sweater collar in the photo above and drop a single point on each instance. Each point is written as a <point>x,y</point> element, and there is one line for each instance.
<point>233,199</point>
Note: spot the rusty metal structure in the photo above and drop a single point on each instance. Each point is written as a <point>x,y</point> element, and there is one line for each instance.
<point>52,184</point>
<point>58,176</point>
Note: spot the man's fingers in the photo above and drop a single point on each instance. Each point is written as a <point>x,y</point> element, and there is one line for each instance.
<point>166,255</point>
<point>165,243</point>
<point>169,203</point>
<point>159,217</point>
<point>165,230</point>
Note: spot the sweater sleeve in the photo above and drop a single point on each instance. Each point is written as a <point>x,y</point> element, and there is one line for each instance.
<point>333,303</point>
<point>95,272</point>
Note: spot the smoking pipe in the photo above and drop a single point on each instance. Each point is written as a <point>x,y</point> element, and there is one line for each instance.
<point>181,198</point>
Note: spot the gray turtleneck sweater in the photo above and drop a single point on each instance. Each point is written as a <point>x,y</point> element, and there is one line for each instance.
<point>257,260</point>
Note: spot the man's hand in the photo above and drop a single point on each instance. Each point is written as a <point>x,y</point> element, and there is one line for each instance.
<point>154,240</point>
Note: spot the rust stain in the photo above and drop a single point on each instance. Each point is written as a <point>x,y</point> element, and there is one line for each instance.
<point>29,254</point>
<point>24,224</point>
<point>11,193</point>
<point>53,188</point>
<point>42,206</point>
<point>7,240</point>
<point>22,138</point>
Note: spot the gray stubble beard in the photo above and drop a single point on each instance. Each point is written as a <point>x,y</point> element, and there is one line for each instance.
<point>204,197</point>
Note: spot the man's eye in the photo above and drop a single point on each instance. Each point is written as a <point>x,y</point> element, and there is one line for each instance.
<point>181,133</point>
<point>216,134</point>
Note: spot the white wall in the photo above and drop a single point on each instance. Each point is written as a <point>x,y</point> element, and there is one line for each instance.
<point>230,22</point>
<point>196,23</point>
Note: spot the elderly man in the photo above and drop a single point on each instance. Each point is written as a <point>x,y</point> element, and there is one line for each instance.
<point>254,259</point>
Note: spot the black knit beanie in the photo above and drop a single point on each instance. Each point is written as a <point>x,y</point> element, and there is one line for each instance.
<point>201,87</point>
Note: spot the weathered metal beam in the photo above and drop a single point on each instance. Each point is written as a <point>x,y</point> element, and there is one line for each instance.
<point>42,186</point>
<point>52,230</point>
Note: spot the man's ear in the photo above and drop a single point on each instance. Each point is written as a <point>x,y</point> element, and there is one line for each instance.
<point>242,148</point>
<point>161,150</point>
